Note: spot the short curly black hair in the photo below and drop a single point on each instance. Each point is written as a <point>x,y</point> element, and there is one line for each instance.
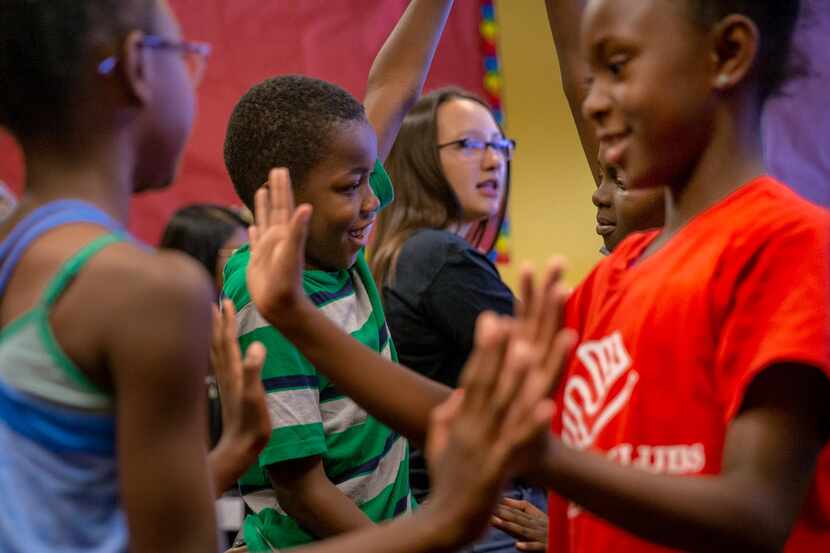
<point>44,46</point>
<point>777,60</point>
<point>284,121</point>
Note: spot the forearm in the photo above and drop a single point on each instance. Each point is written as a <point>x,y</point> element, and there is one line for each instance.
<point>564,18</point>
<point>706,513</point>
<point>400,68</point>
<point>227,463</point>
<point>400,398</point>
<point>322,508</point>
<point>421,533</point>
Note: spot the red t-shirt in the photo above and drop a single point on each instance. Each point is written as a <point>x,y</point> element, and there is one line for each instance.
<point>668,346</point>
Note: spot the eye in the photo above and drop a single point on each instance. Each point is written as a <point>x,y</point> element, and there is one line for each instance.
<point>616,63</point>
<point>470,144</point>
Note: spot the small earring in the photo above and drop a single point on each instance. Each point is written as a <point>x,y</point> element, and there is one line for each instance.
<point>722,81</point>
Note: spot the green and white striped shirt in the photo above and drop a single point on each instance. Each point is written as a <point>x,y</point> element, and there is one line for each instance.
<point>366,460</point>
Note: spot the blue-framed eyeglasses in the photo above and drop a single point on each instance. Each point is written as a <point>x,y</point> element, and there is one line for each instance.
<point>475,148</point>
<point>194,54</point>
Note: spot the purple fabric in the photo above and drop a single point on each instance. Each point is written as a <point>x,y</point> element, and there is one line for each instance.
<point>797,125</point>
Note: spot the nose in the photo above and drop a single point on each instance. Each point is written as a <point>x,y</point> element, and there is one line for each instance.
<point>603,194</point>
<point>370,202</point>
<point>492,159</point>
<point>597,103</point>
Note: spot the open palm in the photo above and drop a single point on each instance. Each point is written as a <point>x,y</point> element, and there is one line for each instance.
<point>277,242</point>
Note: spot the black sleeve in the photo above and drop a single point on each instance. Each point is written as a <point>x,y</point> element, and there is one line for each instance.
<point>466,285</point>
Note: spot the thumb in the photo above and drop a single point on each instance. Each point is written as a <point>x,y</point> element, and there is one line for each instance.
<point>254,358</point>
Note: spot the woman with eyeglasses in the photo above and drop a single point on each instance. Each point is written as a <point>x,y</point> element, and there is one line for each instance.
<point>451,168</point>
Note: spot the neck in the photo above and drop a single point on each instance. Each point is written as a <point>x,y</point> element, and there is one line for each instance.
<point>104,179</point>
<point>733,157</point>
<point>460,228</point>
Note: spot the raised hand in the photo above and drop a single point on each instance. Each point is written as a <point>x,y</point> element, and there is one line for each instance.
<point>246,427</point>
<point>524,521</point>
<point>277,242</point>
<point>471,443</point>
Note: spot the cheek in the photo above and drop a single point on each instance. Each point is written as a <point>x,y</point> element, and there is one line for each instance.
<point>459,176</point>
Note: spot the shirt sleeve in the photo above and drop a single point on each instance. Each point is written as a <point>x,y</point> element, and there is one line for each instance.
<point>464,286</point>
<point>291,382</point>
<point>292,394</point>
<point>777,311</point>
<point>381,185</point>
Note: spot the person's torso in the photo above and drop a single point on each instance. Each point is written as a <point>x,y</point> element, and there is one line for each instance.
<point>58,473</point>
<point>366,460</point>
<point>648,386</point>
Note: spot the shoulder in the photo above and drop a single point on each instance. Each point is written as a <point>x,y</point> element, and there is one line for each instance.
<point>766,218</point>
<point>163,278</point>
<point>433,243</point>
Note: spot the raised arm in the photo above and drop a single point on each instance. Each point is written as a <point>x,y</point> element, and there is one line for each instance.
<point>400,68</point>
<point>564,17</point>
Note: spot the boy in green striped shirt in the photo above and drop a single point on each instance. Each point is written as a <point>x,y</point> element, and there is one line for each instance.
<point>328,467</point>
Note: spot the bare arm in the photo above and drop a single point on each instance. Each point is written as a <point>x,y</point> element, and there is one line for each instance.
<point>473,439</point>
<point>158,360</point>
<point>306,494</point>
<point>768,463</point>
<point>564,17</point>
<point>400,68</point>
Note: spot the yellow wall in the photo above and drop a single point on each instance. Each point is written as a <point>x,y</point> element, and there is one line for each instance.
<point>550,204</point>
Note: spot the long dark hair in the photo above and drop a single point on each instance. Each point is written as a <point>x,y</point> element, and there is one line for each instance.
<point>200,231</point>
<point>424,197</point>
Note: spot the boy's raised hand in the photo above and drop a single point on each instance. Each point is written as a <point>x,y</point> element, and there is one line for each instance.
<point>277,243</point>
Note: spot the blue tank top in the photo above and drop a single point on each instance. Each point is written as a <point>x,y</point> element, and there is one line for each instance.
<point>58,467</point>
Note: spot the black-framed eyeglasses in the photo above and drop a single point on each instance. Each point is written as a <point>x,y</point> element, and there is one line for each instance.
<point>195,55</point>
<point>473,147</point>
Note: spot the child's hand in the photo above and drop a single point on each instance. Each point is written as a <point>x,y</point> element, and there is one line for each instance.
<point>476,432</point>
<point>246,427</point>
<point>539,328</point>
<point>277,242</point>
<point>524,521</point>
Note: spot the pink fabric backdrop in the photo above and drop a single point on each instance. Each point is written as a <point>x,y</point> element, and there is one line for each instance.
<point>334,40</point>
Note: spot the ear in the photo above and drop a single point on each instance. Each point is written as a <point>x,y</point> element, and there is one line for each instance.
<point>736,42</point>
<point>134,68</point>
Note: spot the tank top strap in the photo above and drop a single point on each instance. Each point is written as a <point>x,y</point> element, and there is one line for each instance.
<point>74,264</point>
<point>42,220</point>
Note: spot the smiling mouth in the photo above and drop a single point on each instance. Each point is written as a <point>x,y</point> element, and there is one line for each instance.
<point>362,233</point>
<point>605,227</point>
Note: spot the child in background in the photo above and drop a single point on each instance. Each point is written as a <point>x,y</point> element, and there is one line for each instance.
<point>209,234</point>
<point>329,467</point>
<point>693,415</point>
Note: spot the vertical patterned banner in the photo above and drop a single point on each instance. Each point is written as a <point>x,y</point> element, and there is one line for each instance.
<point>493,84</point>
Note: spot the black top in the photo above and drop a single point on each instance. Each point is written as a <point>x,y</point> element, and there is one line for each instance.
<point>441,286</point>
